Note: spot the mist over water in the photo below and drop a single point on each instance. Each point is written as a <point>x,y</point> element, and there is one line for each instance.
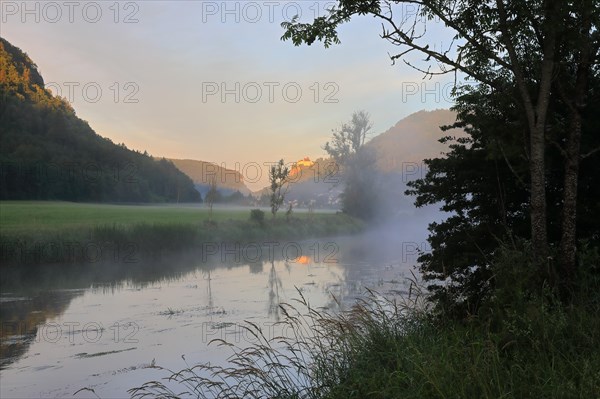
<point>103,326</point>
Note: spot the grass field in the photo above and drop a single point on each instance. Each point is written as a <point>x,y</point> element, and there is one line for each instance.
<point>30,230</point>
<point>27,216</point>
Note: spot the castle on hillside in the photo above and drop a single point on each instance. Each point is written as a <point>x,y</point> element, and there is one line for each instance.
<point>298,165</point>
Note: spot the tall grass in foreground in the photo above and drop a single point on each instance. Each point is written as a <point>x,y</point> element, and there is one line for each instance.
<point>308,363</point>
<point>395,348</point>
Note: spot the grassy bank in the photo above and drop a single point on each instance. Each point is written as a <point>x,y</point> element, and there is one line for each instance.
<point>58,232</point>
<point>554,354</point>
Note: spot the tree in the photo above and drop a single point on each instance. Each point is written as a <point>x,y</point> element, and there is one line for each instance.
<point>360,196</point>
<point>350,137</point>
<point>356,164</point>
<point>212,195</point>
<point>482,184</point>
<point>524,49</point>
<point>484,194</point>
<point>278,175</point>
<point>580,49</point>
<point>290,210</point>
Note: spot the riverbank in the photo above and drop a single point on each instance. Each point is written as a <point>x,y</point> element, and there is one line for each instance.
<point>60,232</point>
<point>549,352</point>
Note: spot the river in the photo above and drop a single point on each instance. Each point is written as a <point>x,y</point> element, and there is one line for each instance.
<point>64,328</point>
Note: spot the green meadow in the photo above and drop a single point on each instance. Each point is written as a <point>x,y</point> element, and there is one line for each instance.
<point>36,232</point>
<point>29,216</point>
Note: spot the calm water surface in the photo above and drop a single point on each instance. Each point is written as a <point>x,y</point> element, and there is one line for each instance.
<point>102,326</point>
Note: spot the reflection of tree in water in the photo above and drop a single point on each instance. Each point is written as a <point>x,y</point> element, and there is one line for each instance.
<point>207,277</point>
<point>274,287</point>
<point>49,289</point>
<point>20,320</point>
<point>346,266</point>
<point>376,260</point>
<point>256,267</point>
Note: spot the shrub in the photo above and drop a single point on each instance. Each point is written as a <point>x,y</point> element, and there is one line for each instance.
<point>258,216</point>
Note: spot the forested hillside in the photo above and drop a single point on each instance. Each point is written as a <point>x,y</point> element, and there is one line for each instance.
<point>414,138</point>
<point>48,153</point>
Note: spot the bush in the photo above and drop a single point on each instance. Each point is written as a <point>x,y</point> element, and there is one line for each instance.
<point>258,216</point>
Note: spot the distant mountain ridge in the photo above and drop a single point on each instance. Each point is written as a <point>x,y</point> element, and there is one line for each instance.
<point>412,140</point>
<point>48,153</point>
<point>201,172</point>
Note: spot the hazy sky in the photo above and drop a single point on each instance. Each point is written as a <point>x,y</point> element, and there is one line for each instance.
<point>212,80</point>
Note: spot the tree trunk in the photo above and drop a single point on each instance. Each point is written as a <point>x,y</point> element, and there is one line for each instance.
<point>536,112</point>
<point>568,241</point>
<point>537,168</point>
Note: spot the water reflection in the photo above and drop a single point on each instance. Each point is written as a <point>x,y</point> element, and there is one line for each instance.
<point>33,296</point>
<point>159,310</point>
<point>20,318</point>
<point>274,287</point>
<point>211,302</point>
